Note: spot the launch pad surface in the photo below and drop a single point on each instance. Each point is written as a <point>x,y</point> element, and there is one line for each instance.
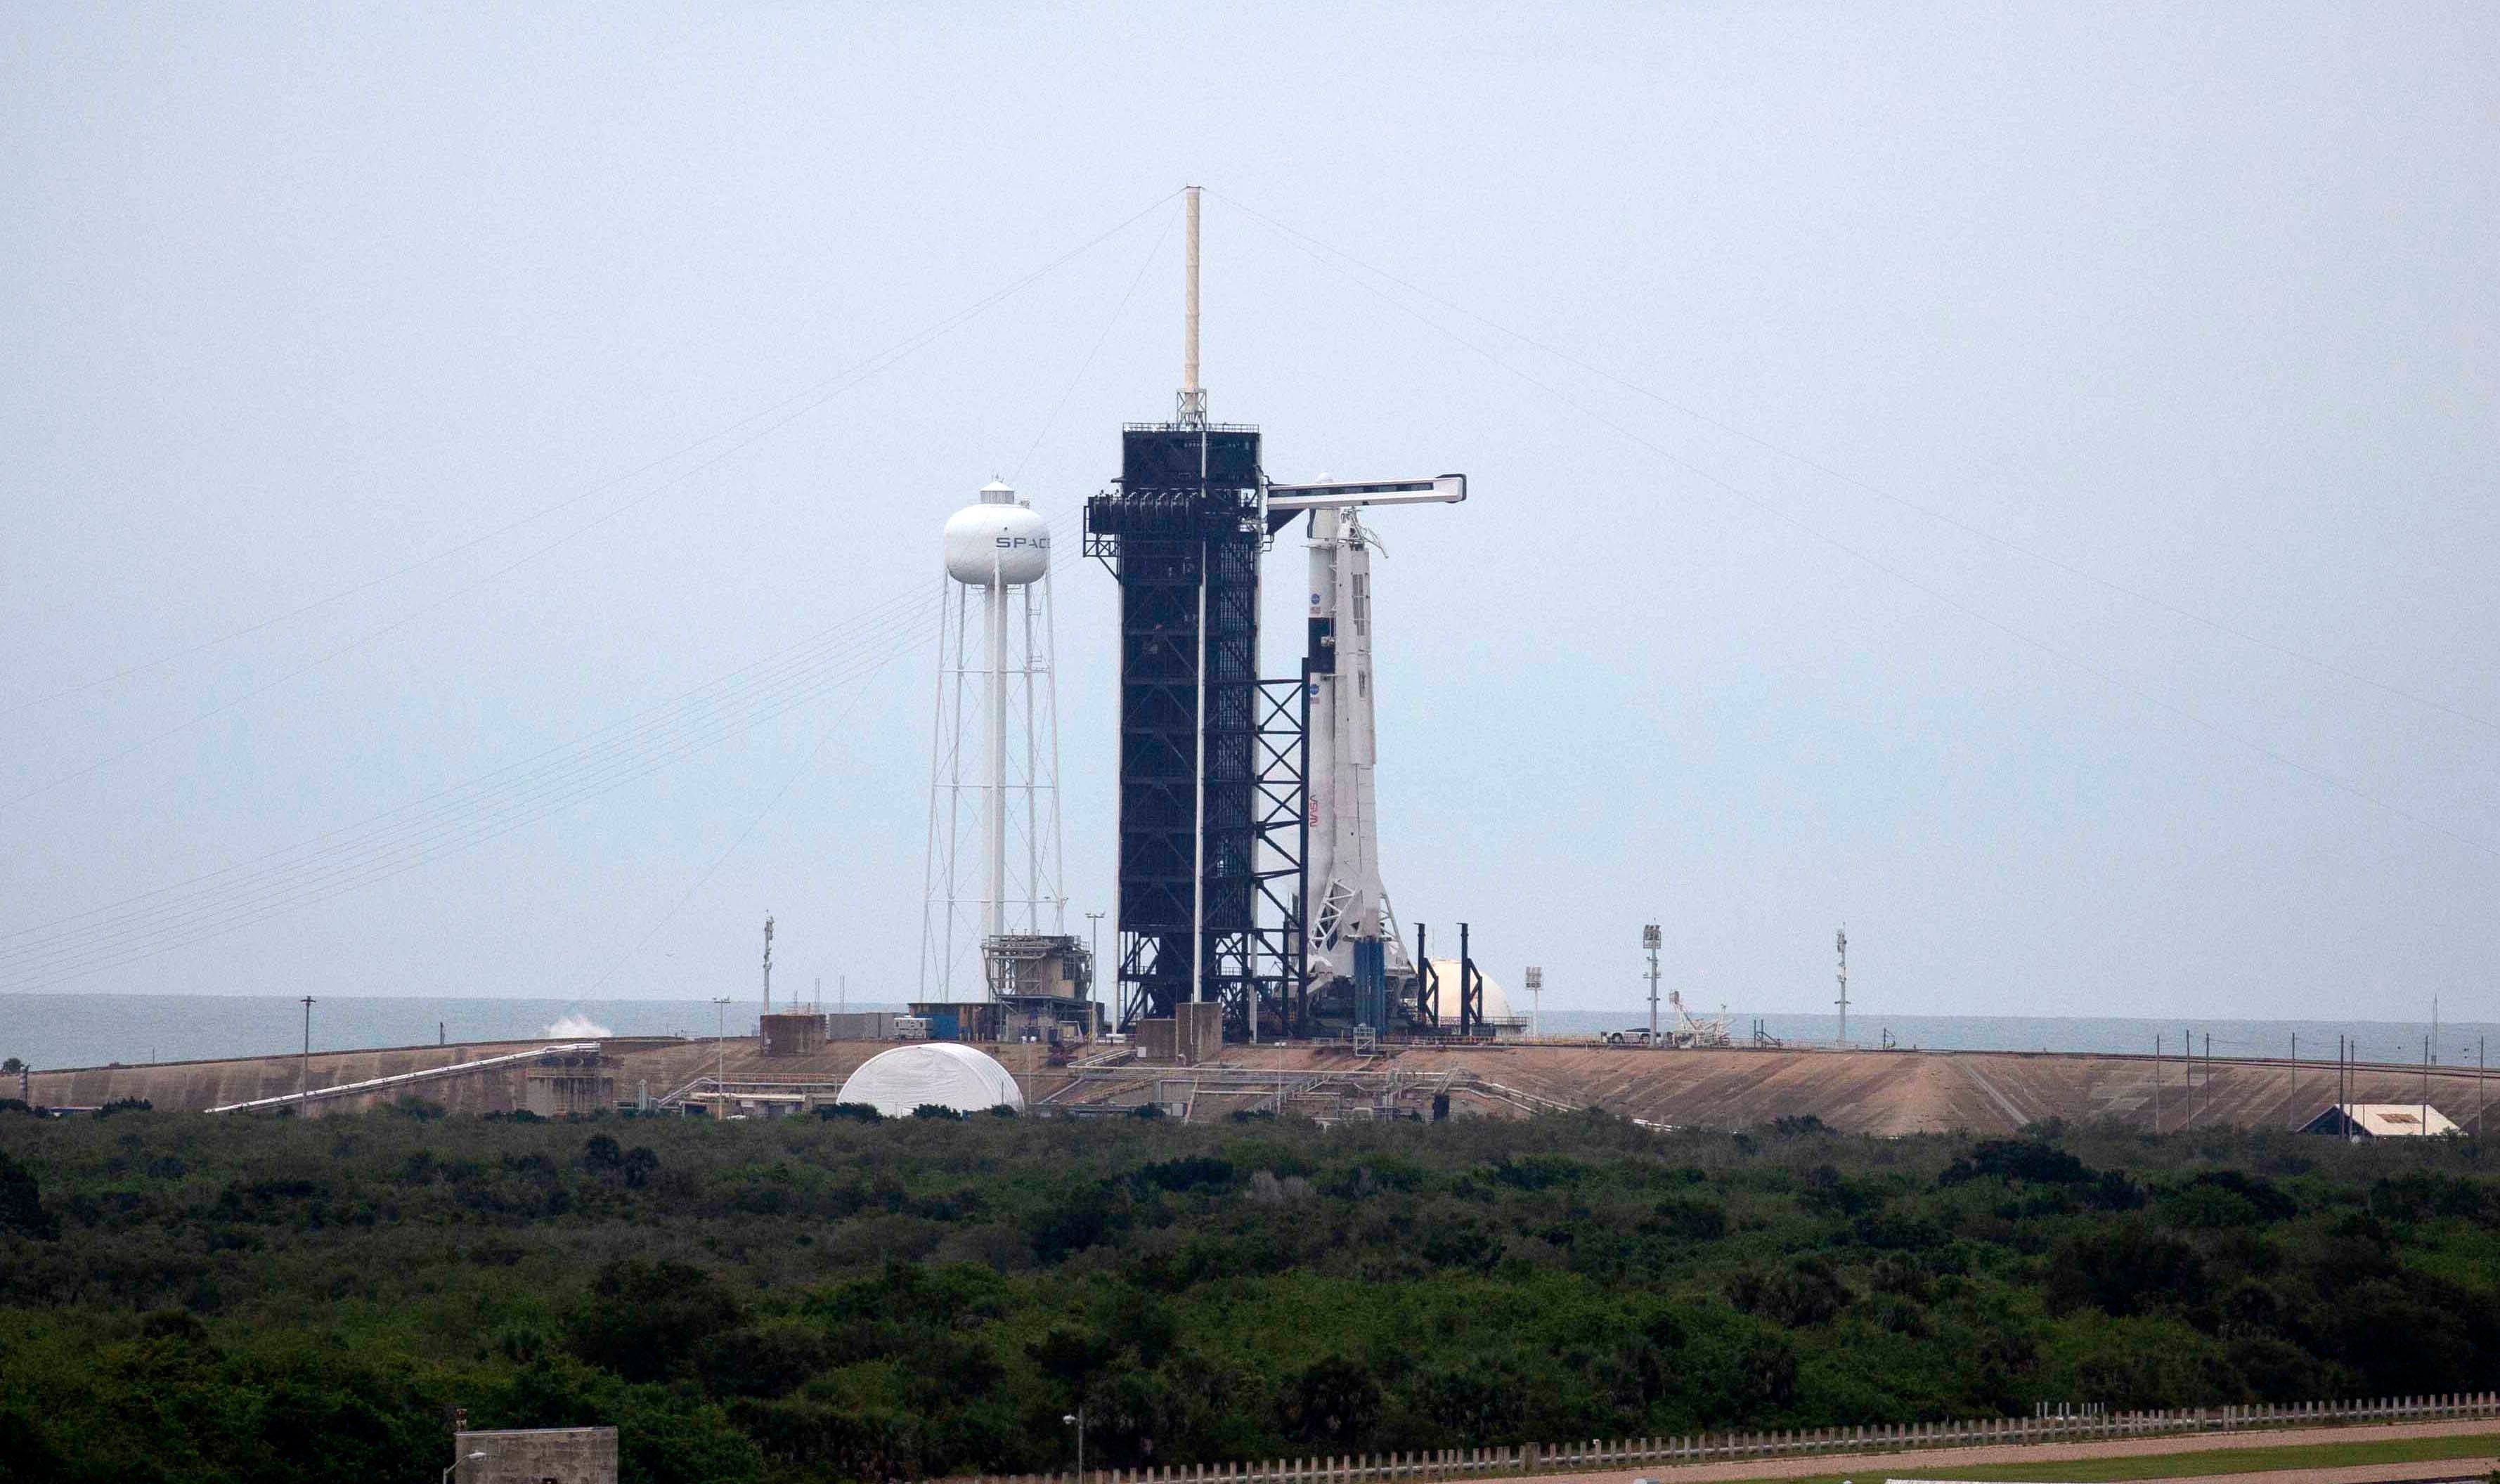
<point>1893,1092</point>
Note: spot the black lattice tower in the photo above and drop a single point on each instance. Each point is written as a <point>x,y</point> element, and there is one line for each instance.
<point>1213,760</point>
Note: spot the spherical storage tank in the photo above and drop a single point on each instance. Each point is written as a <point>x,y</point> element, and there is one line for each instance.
<point>996,540</point>
<point>940,1072</point>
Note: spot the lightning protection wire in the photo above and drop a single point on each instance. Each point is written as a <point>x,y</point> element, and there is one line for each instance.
<point>1082,366</point>
<point>1869,560</point>
<point>445,600</point>
<point>470,814</point>
<point>876,361</point>
<point>764,690</point>
<point>182,923</point>
<point>806,765</point>
<point>1308,242</point>
<point>677,716</point>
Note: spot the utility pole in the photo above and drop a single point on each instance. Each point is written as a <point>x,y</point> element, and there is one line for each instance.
<point>1535,1002</point>
<point>1844,985</point>
<point>768,964</point>
<point>720,1057</point>
<point>1094,950</point>
<point>304,1082</point>
<point>1650,940</point>
<point>2157,1081</point>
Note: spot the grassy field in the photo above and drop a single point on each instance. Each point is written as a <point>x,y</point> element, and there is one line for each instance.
<point>2197,1464</point>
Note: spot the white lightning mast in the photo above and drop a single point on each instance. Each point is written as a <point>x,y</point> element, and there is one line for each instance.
<point>1190,409</point>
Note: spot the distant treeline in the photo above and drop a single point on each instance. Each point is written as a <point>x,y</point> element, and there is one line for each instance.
<point>228,1299</point>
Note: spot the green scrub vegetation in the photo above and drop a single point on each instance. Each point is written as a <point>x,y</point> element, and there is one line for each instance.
<point>231,1299</point>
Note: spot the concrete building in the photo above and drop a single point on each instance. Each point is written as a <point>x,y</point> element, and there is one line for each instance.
<point>2381,1120</point>
<point>579,1080</point>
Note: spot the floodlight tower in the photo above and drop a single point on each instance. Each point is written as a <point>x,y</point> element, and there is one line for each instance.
<point>1650,940</point>
<point>1843,945</point>
<point>1535,979</point>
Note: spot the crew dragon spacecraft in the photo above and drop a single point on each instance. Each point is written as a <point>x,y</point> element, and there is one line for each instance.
<point>1357,959</point>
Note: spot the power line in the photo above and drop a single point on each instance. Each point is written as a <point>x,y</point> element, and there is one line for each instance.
<point>1936,594</point>
<point>1308,242</point>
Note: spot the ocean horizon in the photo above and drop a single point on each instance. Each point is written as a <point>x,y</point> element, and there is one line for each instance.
<point>85,1030</point>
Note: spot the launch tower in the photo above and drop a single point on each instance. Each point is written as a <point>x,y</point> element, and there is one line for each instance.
<point>1228,782</point>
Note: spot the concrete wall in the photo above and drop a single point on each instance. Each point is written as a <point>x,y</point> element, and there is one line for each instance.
<point>197,1086</point>
<point>537,1456</point>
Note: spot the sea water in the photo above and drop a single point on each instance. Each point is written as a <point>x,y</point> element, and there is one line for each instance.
<point>88,1030</point>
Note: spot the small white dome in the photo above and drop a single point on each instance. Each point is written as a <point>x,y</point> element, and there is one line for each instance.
<point>946,1072</point>
<point>1496,1003</point>
<point>997,543</point>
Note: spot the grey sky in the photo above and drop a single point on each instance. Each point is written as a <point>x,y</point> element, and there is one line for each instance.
<point>2196,299</point>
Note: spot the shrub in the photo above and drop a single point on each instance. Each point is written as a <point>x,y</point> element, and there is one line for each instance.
<point>2016,1159</point>
<point>21,1203</point>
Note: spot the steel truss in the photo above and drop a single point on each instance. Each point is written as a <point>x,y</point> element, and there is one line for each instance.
<point>1214,761</point>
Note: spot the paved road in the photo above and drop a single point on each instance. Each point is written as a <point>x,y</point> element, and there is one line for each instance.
<point>1880,1466</point>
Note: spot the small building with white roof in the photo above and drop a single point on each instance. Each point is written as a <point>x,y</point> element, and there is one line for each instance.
<point>2381,1120</point>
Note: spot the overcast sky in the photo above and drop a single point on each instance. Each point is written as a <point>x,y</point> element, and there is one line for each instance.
<point>2015,479</point>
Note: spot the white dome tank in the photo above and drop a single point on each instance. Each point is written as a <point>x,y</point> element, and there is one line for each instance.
<point>946,1072</point>
<point>998,540</point>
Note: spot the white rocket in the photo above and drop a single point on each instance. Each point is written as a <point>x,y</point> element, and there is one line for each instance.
<point>1348,904</point>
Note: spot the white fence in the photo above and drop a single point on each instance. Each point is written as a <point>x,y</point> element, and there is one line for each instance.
<point>1595,1456</point>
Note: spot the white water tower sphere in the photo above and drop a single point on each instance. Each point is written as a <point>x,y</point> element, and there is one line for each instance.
<point>996,540</point>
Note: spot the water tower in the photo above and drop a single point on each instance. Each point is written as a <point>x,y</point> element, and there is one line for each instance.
<point>996,960</point>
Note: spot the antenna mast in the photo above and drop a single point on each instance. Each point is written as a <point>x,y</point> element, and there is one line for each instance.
<point>768,964</point>
<point>1189,410</point>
